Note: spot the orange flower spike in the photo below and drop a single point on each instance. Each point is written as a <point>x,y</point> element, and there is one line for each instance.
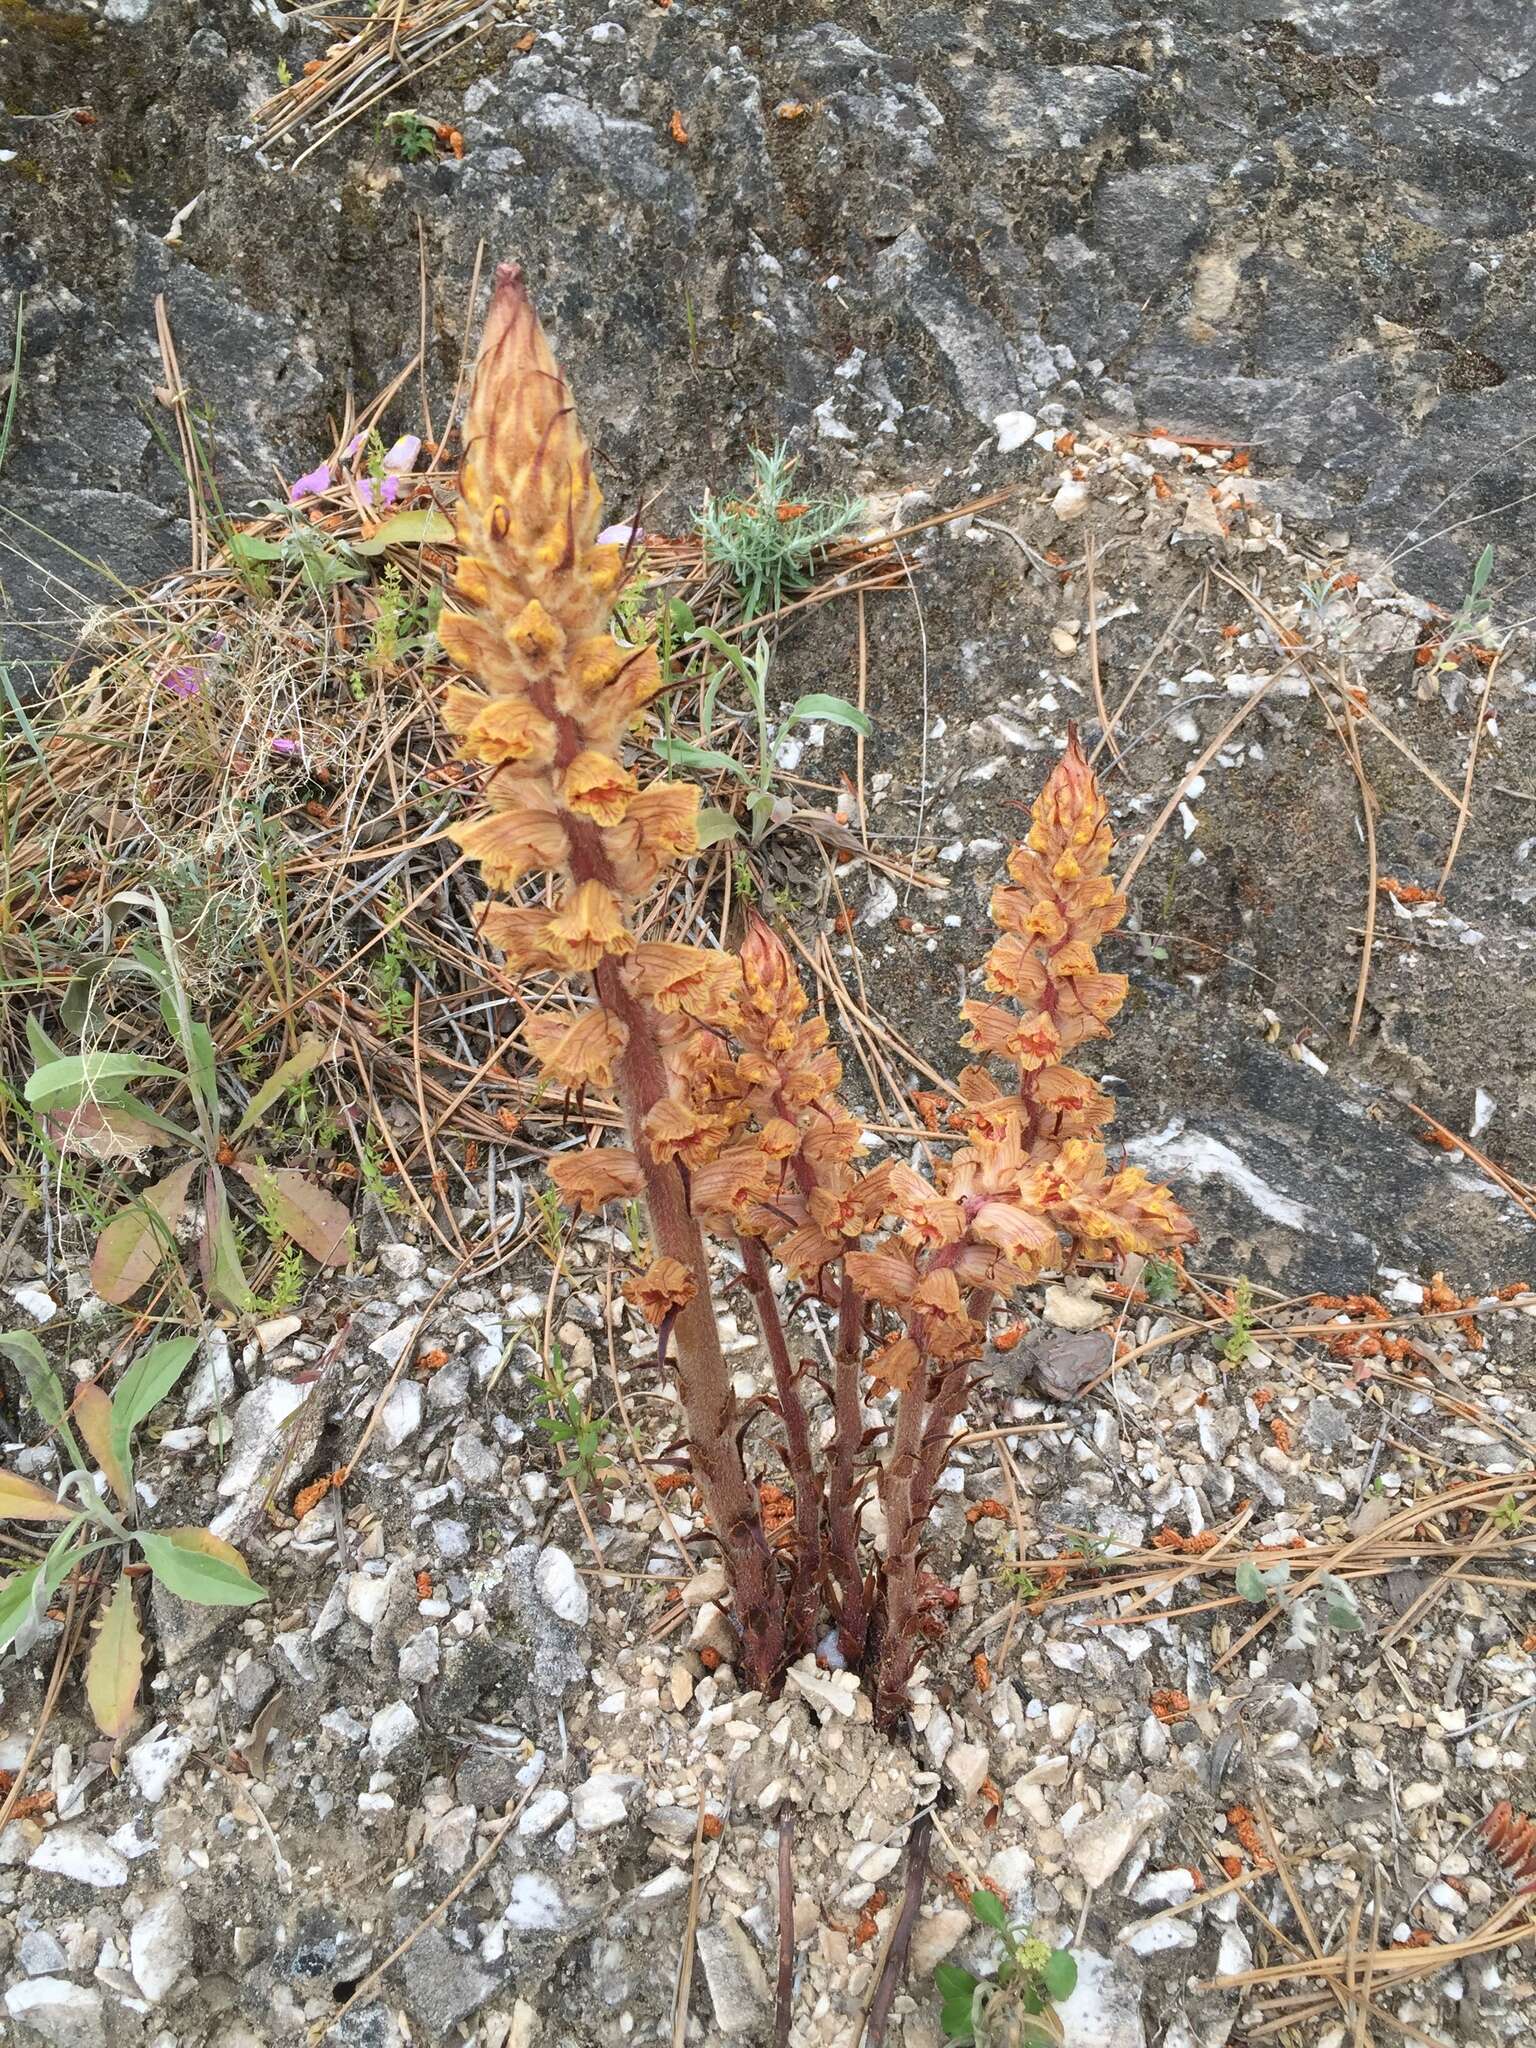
<point>588,926</point>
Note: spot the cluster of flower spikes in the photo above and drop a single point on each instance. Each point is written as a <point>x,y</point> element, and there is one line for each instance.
<point>558,695</point>
<point>1033,1180</point>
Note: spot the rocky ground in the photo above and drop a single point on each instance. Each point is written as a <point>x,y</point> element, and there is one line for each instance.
<point>947,251</point>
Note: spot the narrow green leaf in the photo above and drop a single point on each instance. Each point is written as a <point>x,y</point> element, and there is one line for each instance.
<point>42,1382</point>
<point>16,1602</point>
<point>145,1385</point>
<point>116,1664</point>
<point>715,824</point>
<point>140,1238</point>
<point>422,526</point>
<point>185,1566</point>
<point>40,1045</point>
<point>62,1083</point>
<point>23,1500</point>
<point>988,1908</point>
<point>311,1051</point>
<point>835,710</point>
<point>680,754</point>
<point>75,1004</point>
<point>92,1411</point>
<point>1059,1977</point>
<point>219,1253</point>
<point>202,1065</point>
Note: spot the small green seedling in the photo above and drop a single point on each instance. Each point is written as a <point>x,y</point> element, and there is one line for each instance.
<point>751,671</point>
<point>1016,2008</point>
<point>190,1562</point>
<point>1240,1341</point>
<point>1160,1281</point>
<point>414,136</point>
<point>574,1428</point>
<point>85,1104</point>
<point>768,545</point>
<point>1259,1585</point>
<point>1509,1516</point>
<point>1471,623</point>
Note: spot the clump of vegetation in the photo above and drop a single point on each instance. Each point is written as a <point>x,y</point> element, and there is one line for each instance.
<point>86,1102</point>
<point>729,1087</point>
<point>767,542</point>
<point>190,1562</point>
<point>1016,2008</point>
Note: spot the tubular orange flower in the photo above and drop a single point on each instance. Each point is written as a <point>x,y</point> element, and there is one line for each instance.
<point>677,977</point>
<point>596,787</point>
<point>665,1286</point>
<point>600,1174</point>
<point>587,927</point>
<point>511,844</point>
<point>521,933</point>
<point>498,730</point>
<point>576,1052</point>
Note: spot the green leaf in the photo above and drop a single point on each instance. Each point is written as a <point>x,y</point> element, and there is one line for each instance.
<point>681,619</point>
<point>1251,1584</point>
<point>955,2019</point>
<point>312,1049</point>
<point>23,1500</point>
<point>202,1065</point>
<point>92,1411</point>
<point>145,1385</point>
<point>62,1083</point>
<point>1059,1977</point>
<point>835,710</point>
<point>680,754</point>
<point>1482,572</point>
<point>715,824</point>
<point>122,1131</point>
<point>116,1664</point>
<point>41,1046</point>
<point>1343,1615</point>
<point>310,1216</point>
<point>953,1981</point>
<point>16,1602</point>
<point>187,1563</point>
<point>140,1238</point>
<point>988,1908</point>
<point>249,547</point>
<point>218,1252</point>
<point>423,526</point>
<point>42,1382</point>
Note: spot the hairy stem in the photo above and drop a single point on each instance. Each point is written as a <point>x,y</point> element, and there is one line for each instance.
<point>798,1453</point>
<point>709,1400</point>
<point>843,1519</point>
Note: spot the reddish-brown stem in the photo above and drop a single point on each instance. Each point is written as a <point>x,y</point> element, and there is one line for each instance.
<point>899,1616</point>
<point>842,1513</point>
<point>799,1457</point>
<point>709,1400</point>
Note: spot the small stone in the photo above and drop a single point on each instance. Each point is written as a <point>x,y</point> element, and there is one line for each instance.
<point>487,1778</point>
<point>934,1938</point>
<point>535,1907</point>
<point>1098,1847</point>
<point>442,1985</point>
<point>829,1692</point>
<point>391,1728</point>
<point>391,1345</point>
<point>738,1986</point>
<point>966,1768</point>
<point>1071,1311</point>
<point>18,1841</point>
<point>1071,500</point>
<point>1417,1796</point>
<point>36,1302</point>
<point>451,1539</point>
<point>705,1586</point>
<point>258,1434</point>
<point>400,1417</point>
<point>1104,2010</point>
<point>80,1854</point>
<point>1014,430</point>
<point>212,1385</point>
<point>160,1946</point>
<point>368,1595</point>
<point>421,1657</point>
<point>545,1810</point>
<point>680,1685</point>
<point>269,1335</point>
<point>712,1631</point>
<point>401,1261</point>
<point>473,1460</point>
<point>68,2015</point>
<point>449,1837</point>
<point>41,1954</point>
<point>253,1686</point>
<point>1150,1937</point>
<point>603,1801</point>
<point>561,1587</point>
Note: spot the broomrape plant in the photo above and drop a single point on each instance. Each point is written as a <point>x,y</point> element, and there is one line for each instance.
<point>192,1562</point>
<point>729,1088</point>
